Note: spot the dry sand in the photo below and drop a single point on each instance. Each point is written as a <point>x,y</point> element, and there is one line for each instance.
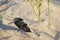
<point>22,9</point>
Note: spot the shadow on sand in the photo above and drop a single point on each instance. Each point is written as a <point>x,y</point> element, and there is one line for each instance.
<point>8,5</point>
<point>56,2</point>
<point>57,36</point>
<point>4,2</point>
<point>4,27</point>
<point>36,31</point>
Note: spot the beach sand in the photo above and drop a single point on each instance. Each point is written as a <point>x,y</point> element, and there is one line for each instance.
<point>22,9</point>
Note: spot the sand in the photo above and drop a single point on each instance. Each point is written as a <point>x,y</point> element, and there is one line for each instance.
<point>22,9</point>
